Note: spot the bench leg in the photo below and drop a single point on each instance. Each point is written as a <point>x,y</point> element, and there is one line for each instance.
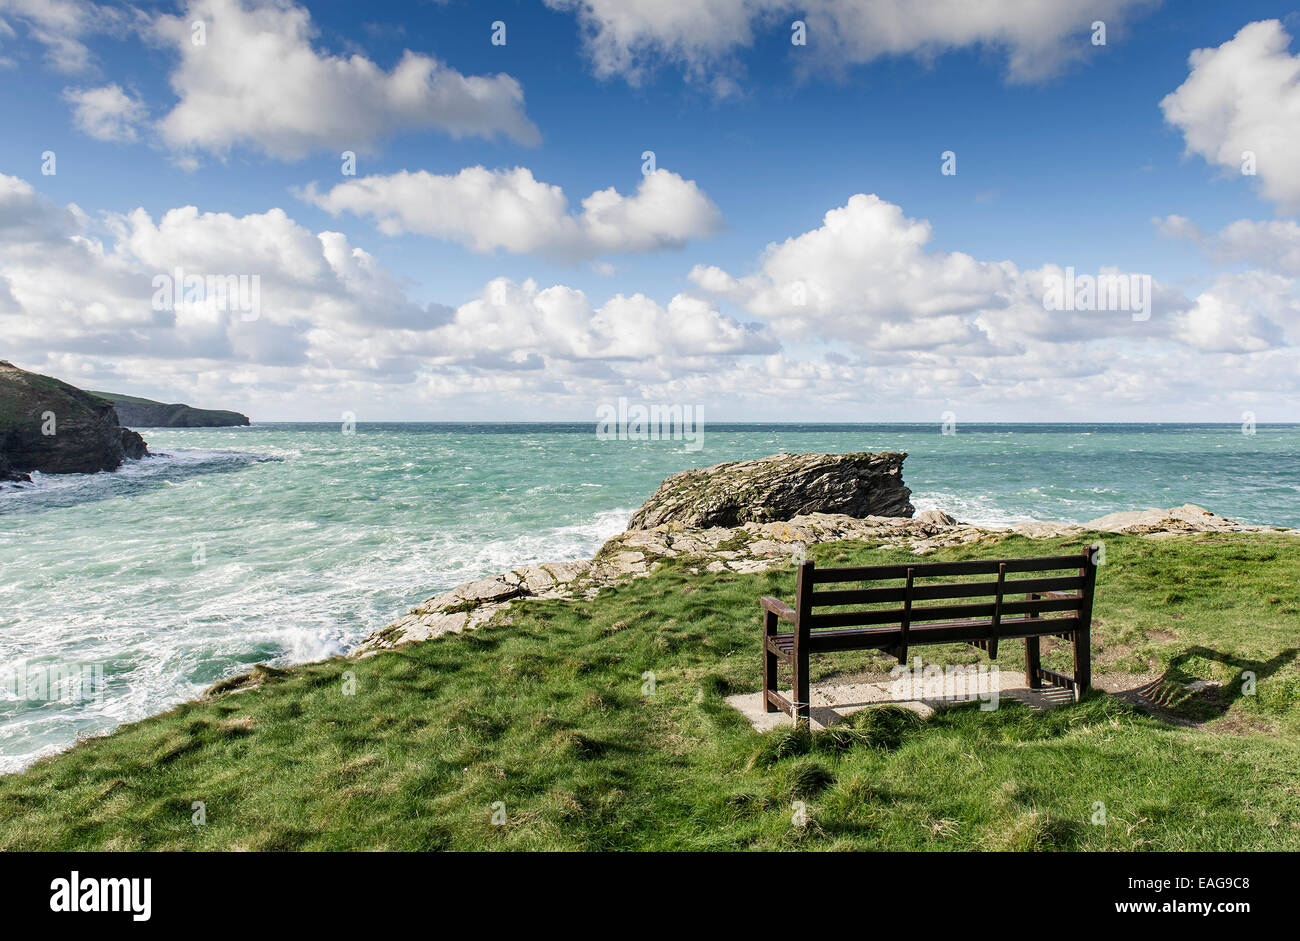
<point>769,661</point>
<point>1082,661</point>
<point>1033,660</point>
<point>802,701</point>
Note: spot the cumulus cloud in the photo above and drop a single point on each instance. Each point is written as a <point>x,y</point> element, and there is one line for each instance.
<point>1245,96</point>
<point>106,113</point>
<point>511,210</point>
<point>258,81</point>
<point>517,320</point>
<point>1243,313</point>
<point>70,291</point>
<point>865,264</point>
<point>327,307</point>
<point>867,277</point>
<point>337,331</point>
<point>1038,37</point>
<point>1272,246</point>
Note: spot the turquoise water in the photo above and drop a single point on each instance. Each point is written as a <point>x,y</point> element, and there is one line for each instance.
<point>290,542</point>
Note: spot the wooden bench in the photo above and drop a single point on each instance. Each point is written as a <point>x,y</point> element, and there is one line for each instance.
<point>1057,602</point>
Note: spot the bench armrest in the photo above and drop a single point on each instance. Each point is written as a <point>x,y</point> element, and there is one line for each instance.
<point>779,608</point>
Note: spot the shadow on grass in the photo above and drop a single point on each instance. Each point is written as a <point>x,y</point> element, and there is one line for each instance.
<point>1176,690</point>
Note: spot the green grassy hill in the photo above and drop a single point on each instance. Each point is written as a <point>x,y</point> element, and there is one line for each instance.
<point>115,397</point>
<point>547,723</point>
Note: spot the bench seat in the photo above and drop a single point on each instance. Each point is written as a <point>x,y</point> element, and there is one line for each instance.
<point>986,615</point>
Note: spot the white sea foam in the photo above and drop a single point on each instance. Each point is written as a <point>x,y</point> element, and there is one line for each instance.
<point>973,509</point>
<point>158,466</point>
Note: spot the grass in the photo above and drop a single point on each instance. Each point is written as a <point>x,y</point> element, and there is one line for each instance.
<point>601,725</point>
<point>26,395</point>
<point>112,397</point>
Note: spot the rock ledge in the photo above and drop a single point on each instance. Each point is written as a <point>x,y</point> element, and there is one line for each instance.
<point>779,487</point>
<point>752,547</point>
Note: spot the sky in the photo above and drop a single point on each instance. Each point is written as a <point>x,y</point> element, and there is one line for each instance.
<point>836,210</point>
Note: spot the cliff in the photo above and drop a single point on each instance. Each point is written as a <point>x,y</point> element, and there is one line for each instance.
<point>780,487</point>
<point>136,412</point>
<point>49,426</point>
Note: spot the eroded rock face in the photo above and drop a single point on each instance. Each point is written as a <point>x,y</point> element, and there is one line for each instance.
<point>133,445</point>
<point>779,487</point>
<point>86,437</point>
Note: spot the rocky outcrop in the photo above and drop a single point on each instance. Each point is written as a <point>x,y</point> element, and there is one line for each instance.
<point>779,487</point>
<point>49,426</point>
<point>8,475</point>
<point>135,412</point>
<point>1188,518</point>
<point>469,605</point>
<point>133,445</point>
<point>752,547</point>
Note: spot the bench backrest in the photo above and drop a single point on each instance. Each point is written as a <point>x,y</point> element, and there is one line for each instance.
<point>932,592</point>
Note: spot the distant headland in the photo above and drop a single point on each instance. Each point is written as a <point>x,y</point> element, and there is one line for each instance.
<point>49,426</point>
<point>135,412</point>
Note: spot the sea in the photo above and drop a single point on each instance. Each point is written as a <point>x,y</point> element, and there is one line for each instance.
<point>125,593</point>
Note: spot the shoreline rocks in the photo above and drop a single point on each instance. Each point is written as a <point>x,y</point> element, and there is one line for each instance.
<point>751,547</point>
<point>779,487</point>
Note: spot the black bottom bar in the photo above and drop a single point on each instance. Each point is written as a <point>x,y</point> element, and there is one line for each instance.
<point>302,891</point>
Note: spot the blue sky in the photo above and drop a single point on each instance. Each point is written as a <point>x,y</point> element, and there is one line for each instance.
<point>1065,163</point>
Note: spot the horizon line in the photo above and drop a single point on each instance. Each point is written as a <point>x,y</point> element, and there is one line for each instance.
<point>572,421</point>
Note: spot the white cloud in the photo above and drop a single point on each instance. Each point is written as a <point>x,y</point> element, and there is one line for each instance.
<point>517,320</point>
<point>257,81</point>
<point>509,209</point>
<point>1273,245</point>
<point>1245,96</point>
<point>865,264</point>
<point>623,37</point>
<point>325,305</point>
<point>71,292</point>
<point>1038,37</point>
<point>867,277</point>
<point>61,26</point>
<point>1243,313</point>
<point>339,332</point>
<point>1178,227</point>
<point>26,217</point>
<point>106,113</point>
